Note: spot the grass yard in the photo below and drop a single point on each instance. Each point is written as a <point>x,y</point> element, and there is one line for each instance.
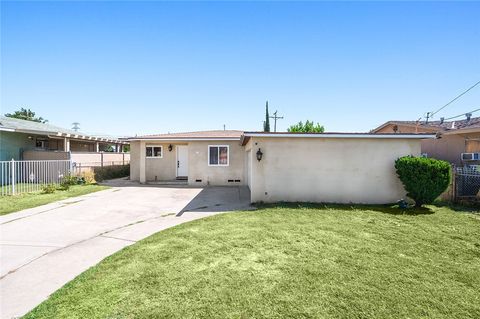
<point>289,262</point>
<point>10,204</point>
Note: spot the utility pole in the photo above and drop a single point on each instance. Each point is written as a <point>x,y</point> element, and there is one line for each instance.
<point>275,118</point>
<point>428,116</point>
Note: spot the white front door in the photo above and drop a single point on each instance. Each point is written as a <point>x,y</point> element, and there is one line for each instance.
<point>182,160</point>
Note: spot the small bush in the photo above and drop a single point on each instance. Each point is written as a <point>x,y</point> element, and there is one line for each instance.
<point>424,178</point>
<point>70,180</point>
<point>110,172</point>
<point>88,177</point>
<point>64,186</point>
<point>49,188</point>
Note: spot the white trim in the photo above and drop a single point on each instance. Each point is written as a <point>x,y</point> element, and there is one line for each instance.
<point>152,146</point>
<point>228,155</point>
<point>346,135</point>
<point>6,129</point>
<point>190,139</point>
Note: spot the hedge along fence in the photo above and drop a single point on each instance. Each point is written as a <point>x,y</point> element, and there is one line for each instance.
<point>110,172</point>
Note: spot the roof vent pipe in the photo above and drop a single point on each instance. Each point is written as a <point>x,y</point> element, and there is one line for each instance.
<point>453,125</point>
<point>468,115</point>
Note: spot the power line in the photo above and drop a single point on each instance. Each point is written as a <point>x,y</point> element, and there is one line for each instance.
<point>430,114</point>
<point>463,114</point>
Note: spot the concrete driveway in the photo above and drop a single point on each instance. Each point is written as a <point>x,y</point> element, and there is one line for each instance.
<point>45,247</point>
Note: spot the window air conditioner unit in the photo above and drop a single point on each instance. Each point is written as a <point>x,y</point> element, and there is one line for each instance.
<point>470,156</point>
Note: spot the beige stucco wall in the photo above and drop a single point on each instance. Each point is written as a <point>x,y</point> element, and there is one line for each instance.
<point>448,148</point>
<point>135,161</point>
<point>165,168</point>
<point>215,175</point>
<point>336,170</point>
<point>161,169</point>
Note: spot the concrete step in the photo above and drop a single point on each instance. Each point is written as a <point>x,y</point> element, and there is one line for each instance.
<point>169,182</point>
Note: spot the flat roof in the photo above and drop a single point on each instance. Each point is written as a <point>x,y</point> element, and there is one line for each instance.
<point>247,135</point>
<point>236,135</point>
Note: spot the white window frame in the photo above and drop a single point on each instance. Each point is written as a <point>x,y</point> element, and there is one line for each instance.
<point>228,155</point>
<point>152,146</point>
<point>43,142</point>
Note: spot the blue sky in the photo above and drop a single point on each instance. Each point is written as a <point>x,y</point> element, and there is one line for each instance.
<point>130,68</point>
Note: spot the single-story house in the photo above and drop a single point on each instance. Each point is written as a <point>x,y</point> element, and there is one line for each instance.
<point>458,141</point>
<point>306,167</point>
<point>28,140</point>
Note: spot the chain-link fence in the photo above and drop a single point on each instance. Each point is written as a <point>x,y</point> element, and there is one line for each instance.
<point>467,181</point>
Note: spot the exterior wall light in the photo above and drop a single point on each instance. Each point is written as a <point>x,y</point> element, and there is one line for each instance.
<point>170,147</point>
<point>259,155</point>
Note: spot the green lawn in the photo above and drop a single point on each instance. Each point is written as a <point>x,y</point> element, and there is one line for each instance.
<point>284,262</point>
<point>10,204</point>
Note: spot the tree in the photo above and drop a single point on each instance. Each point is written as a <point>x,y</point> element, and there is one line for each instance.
<point>266,124</point>
<point>308,127</point>
<point>108,148</point>
<point>26,114</point>
<point>424,179</point>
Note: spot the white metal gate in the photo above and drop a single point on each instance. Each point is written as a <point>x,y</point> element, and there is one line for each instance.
<point>18,177</point>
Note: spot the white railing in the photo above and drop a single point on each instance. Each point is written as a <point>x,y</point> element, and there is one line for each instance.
<point>17,177</point>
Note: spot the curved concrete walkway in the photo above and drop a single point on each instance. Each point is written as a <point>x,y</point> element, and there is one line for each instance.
<point>45,247</point>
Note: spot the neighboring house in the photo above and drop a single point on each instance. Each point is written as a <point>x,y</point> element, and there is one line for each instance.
<point>458,142</point>
<point>318,167</point>
<point>28,140</point>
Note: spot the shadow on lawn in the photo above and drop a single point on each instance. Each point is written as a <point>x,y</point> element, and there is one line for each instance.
<point>464,207</point>
<point>385,209</point>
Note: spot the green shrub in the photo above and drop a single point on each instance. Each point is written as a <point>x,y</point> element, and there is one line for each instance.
<point>64,186</point>
<point>70,180</point>
<point>49,188</point>
<point>424,178</point>
<point>110,172</point>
